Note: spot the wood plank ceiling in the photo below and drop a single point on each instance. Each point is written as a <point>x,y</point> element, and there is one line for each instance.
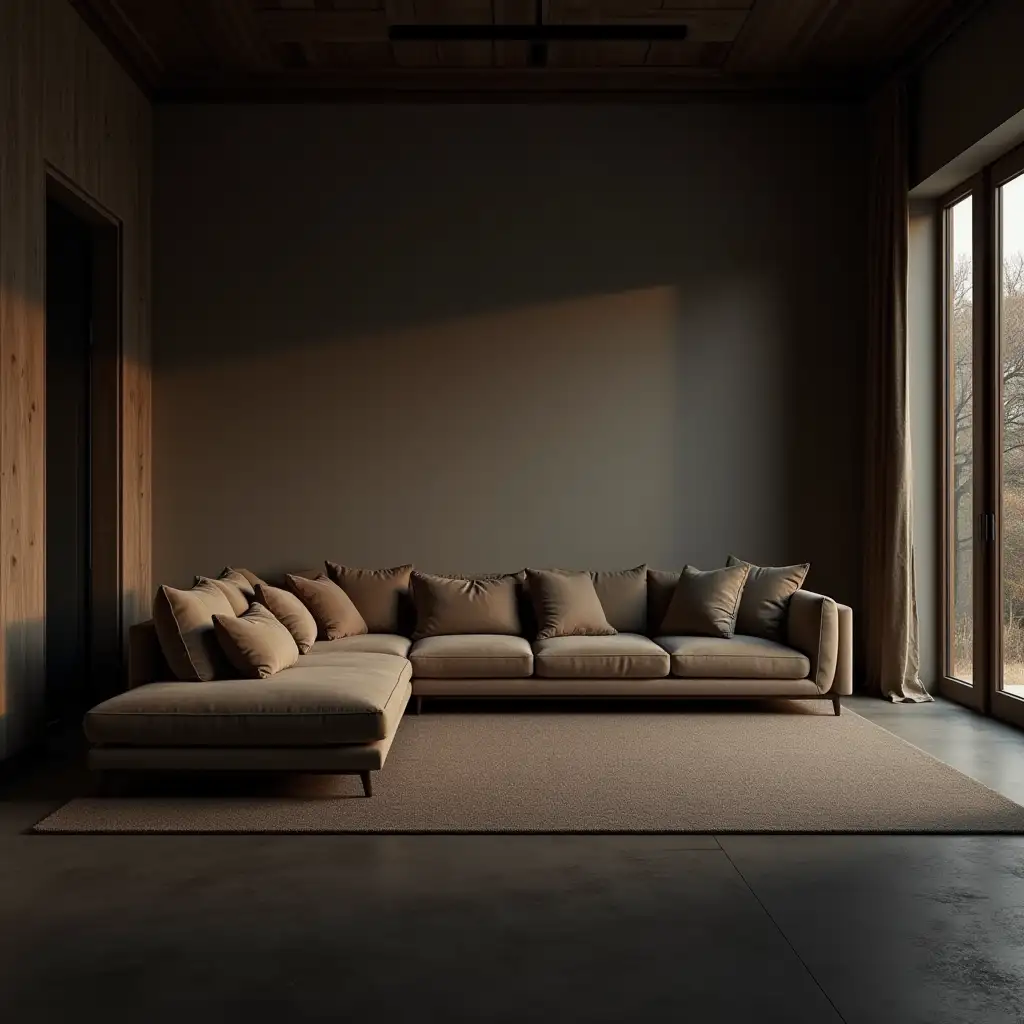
<point>308,48</point>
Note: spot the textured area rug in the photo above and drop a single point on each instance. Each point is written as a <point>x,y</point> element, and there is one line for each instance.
<point>794,768</point>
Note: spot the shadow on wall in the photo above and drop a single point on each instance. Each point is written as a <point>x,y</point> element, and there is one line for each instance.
<point>478,338</point>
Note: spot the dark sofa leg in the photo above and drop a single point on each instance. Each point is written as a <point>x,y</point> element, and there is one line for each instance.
<point>836,706</point>
<point>417,705</point>
<point>367,783</point>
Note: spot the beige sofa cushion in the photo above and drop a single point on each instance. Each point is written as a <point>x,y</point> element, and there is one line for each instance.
<point>566,604</point>
<point>623,656</point>
<point>737,657</point>
<point>766,597</point>
<point>381,595</point>
<point>448,606</point>
<point>289,610</point>
<point>184,626</point>
<point>661,585</point>
<point>489,656</point>
<point>623,596</point>
<point>238,601</point>
<point>325,651</point>
<point>299,707</point>
<point>332,609</point>
<point>705,603</point>
<point>257,644</point>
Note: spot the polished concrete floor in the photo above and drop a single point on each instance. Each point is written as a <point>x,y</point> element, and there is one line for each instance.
<point>866,929</point>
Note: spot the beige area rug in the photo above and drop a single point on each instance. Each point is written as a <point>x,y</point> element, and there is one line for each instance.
<point>677,769</point>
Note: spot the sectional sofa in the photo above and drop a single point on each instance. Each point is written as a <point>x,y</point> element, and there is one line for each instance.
<point>337,709</point>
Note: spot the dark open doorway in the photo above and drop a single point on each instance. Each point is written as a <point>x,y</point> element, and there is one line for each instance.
<point>83,616</point>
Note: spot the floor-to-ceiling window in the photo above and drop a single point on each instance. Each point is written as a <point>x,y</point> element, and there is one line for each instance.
<point>983,327</point>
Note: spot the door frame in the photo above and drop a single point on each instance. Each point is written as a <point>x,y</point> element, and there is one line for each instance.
<point>973,695</point>
<point>986,694</point>
<point>106,622</point>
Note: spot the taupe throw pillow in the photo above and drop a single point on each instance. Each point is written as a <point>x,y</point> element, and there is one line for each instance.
<point>447,606</point>
<point>705,603</point>
<point>291,612</point>
<point>184,627</point>
<point>242,579</point>
<point>381,595</point>
<point>238,601</point>
<point>332,609</point>
<point>766,597</point>
<point>256,643</point>
<point>567,604</point>
<point>623,596</point>
<point>250,577</point>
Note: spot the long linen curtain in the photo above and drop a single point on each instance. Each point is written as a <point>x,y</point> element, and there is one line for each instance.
<point>891,643</point>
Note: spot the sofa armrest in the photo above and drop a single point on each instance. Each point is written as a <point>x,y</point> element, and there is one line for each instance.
<point>812,628</point>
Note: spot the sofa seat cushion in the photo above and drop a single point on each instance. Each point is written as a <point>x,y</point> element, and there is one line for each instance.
<point>469,655</point>
<point>622,656</point>
<point>325,652</point>
<point>738,657</point>
<point>347,702</point>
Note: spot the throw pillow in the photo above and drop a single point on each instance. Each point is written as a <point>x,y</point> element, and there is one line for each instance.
<point>623,596</point>
<point>661,585</point>
<point>251,577</point>
<point>381,595</point>
<point>705,603</point>
<point>332,609</point>
<point>241,579</point>
<point>256,643</point>
<point>184,627</point>
<point>448,605</point>
<point>567,604</point>
<point>291,612</point>
<point>238,601</point>
<point>766,597</point>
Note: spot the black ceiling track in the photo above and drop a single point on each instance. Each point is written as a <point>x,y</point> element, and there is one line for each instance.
<point>538,34</point>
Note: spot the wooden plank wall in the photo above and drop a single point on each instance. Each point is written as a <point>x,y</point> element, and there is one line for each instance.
<point>64,103</point>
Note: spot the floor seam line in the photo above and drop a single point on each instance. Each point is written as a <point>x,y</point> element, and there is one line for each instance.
<point>785,937</point>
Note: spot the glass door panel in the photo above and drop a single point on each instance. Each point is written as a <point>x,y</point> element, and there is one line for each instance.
<point>1010,434</point>
<point>960,447</point>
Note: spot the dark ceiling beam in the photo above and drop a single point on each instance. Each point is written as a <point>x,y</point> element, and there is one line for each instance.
<point>127,45</point>
<point>458,84</point>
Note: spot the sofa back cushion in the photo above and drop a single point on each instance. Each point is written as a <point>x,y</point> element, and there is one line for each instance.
<point>705,603</point>
<point>381,595</point>
<point>766,597</point>
<point>291,612</point>
<point>257,644</point>
<point>567,604</point>
<point>661,585</point>
<point>184,626</point>
<point>332,609</point>
<point>623,596</point>
<point>448,605</point>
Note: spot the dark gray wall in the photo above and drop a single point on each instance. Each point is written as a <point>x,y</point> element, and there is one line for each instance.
<point>969,87</point>
<point>479,338</point>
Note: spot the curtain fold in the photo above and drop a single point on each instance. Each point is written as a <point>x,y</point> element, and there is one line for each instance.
<point>890,626</point>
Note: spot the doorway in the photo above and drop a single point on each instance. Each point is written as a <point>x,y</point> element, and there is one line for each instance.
<point>82,411</point>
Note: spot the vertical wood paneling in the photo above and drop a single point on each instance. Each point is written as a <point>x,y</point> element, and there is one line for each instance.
<point>64,101</point>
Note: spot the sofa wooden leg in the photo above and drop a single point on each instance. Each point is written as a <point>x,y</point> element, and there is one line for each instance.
<point>417,705</point>
<point>367,783</point>
<point>837,707</point>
